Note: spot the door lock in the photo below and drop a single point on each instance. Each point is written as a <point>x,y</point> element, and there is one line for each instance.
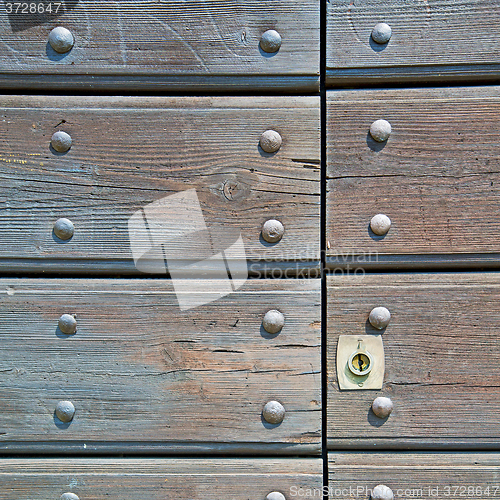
<point>360,362</point>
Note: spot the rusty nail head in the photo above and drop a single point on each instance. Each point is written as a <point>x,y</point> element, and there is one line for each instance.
<point>379,317</point>
<point>380,224</point>
<point>64,229</point>
<point>69,496</point>
<point>270,141</point>
<point>275,495</point>
<point>270,41</point>
<point>272,231</point>
<point>61,141</point>
<point>273,412</point>
<point>67,324</point>
<point>382,407</point>
<point>273,321</point>
<point>380,130</point>
<point>65,411</point>
<point>61,39</point>
<point>381,33</point>
<point>382,492</point>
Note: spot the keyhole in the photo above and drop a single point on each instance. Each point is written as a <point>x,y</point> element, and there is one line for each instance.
<point>360,363</point>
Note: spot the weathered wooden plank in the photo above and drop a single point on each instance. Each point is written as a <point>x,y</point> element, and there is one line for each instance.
<point>441,359</point>
<point>120,268</point>
<point>155,479</point>
<point>415,475</point>
<point>177,45</point>
<point>162,83</point>
<point>433,262</point>
<point>431,41</point>
<point>435,176</point>
<point>129,152</point>
<point>141,371</point>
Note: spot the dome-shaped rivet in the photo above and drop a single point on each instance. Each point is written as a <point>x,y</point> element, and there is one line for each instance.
<point>382,407</point>
<point>270,141</point>
<point>380,224</point>
<point>379,317</point>
<point>381,33</point>
<point>273,321</point>
<point>274,412</point>
<point>61,141</point>
<point>61,39</point>
<point>64,229</point>
<point>67,324</point>
<point>69,496</point>
<point>275,495</point>
<point>272,231</point>
<point>380,130</point>
<point>382,492</point>
<point>65,411</point>
<point>270,41</point>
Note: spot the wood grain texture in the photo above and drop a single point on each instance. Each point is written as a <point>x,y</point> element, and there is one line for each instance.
<point>141,371</point>
<point>431,41</point>
<point>177,45</point>
<point>441,359</point>
<point>156,479</point>
<point>417,475</point>
<point>129,152</point>
<point>436,176</point>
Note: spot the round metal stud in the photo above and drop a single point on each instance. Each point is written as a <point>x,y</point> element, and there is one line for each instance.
<point>382,407</point>
<point>64,229</point>
<point>382,492</point>
<point>273,321</point>
<point>380,224</point>
<point>381,33</point>
<point>273,412</point>
<point>270,41</point>
<point>379,317</point>
<point>380,130</point>
<point>65,411</point>
<point>67,324</point>
<point>69,496</point>
<point>275,495</point>
<point>61,39</point>
<point>270,141</point>
<point>61,141</point>
<point>272,231</point>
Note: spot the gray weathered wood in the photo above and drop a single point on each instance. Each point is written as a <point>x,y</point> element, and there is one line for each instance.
<point>435,177</point>
<point>176,45</point>
<point>140,371</point>
<point>416,475</point>
<point>443,40</point>
<point>131,151</point>
<point>155,479</point>
<point>441,359</point>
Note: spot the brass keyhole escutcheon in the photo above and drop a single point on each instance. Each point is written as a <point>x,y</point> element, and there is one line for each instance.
<point>360,363</point>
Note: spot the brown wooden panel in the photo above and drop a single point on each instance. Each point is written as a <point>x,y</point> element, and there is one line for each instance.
<point>128,152</point>
<point>155,479</point>
<point>176,45</point>
<point>141,372</point>
<point>431,41</point>
<point>435,177</point>
<point>441,360</point>
<point>415,475</point>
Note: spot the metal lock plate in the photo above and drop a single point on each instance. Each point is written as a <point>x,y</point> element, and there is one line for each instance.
<point>360,362</point>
